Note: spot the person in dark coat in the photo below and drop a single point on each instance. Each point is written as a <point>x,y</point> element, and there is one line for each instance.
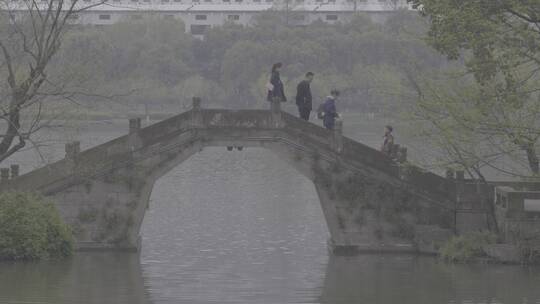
<point>275,89</point>
<point>388,143</point>
<point>303,97</point>
<point>330,111</point>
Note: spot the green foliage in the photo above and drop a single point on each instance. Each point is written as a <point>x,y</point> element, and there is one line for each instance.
<point>466,248</point>
<point>485,113</point>
<point>31,228</point>
<point>498,34</point>
<point>158,63</point>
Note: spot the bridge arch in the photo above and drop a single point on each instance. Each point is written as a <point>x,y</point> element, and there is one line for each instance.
<point>368,201</point>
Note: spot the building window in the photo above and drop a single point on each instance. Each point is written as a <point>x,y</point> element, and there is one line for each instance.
<point>200,17</point>
<point>73,16</point>
<point>136,17</point>
<point>104,17</point>
<point>331,17</point>
<point>233,17</point>
<point>198,29</point>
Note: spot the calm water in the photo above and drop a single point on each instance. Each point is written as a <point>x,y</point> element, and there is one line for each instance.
<point>243,227</point>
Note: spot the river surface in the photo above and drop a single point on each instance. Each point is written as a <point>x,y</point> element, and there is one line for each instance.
<point>243,227</point>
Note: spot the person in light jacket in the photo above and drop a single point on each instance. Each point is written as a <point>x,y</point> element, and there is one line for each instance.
<point>275,89</point>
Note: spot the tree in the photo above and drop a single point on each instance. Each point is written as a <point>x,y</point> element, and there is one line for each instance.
<point>30,35</point>
<point>494,98</point>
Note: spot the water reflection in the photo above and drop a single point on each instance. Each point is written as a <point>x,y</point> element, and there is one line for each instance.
<point>87,278</point>
<point>392,279</point>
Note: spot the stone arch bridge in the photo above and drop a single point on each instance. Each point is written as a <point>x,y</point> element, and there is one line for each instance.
<point>370,202</point>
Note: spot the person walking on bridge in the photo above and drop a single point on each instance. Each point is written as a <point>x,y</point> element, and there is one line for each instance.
<point>303,97</point>
<point>275,86</point>
<point>388,143</point>
<point>330,110</point>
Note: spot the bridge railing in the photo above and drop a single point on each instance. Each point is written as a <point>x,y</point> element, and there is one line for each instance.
<point>116,151</point>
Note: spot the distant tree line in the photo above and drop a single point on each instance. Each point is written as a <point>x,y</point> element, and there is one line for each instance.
<point>155,62</point>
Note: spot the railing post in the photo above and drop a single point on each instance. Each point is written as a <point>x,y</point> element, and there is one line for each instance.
<point>402,154</point>
<point>338,136</point>
<point>134,141</point>
<point>460,187</point>
<point>134,125</point>
<point>275,110</point>
<point>450,174</point>
<point>460,175</point>
<point>196,103</point>
<point>72,149</point>
<point>4,174</point>
<point>394,151</point>
<point>196,113</point>
<point>14,171</point>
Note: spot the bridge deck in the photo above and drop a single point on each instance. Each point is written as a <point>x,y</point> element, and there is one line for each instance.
<point>251,123</point>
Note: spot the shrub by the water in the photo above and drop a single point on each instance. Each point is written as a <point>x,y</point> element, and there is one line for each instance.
<point>31,228</point>
<point>466,248</point>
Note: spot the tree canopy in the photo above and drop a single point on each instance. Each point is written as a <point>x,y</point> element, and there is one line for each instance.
<point>486,113</point>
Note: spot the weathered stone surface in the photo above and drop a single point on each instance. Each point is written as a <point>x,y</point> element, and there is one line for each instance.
<point>430,238</point>
<point>370,202</point>
<point>503,253</point>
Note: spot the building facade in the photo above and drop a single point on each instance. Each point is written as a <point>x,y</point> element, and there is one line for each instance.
<point>198,15</point>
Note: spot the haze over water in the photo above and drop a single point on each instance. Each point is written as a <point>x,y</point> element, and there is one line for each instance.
<point>244,227</point>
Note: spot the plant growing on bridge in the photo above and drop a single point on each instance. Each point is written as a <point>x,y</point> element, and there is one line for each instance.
<point>466,248</point>
<point>31,228</point>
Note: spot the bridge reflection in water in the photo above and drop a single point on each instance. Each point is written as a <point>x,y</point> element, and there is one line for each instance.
<point>118,278</point>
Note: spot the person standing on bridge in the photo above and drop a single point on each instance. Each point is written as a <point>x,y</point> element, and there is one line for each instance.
<point>388,143</point>
<point>330,111</point>
<point>303,97</point>
<point>275,86</point>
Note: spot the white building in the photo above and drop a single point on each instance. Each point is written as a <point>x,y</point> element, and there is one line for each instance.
<point>198,15</point>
